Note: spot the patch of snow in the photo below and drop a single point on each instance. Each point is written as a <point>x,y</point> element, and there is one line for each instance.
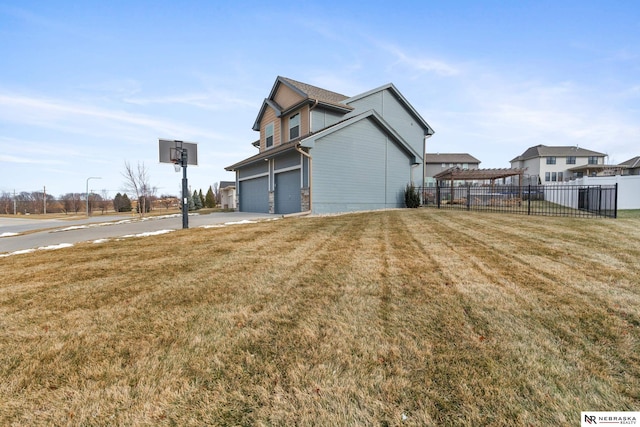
<point>100,241</point>
<point>212,226</point>
<point>53,247</point>
<point>148,233</point>
<point>7,234</point>
<point>73,227</point>
<point>24,251</point>
<point>244,221</point>
<point>41,248</point>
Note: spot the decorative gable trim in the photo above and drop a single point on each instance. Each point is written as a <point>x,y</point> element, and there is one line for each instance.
<point>265,104</point>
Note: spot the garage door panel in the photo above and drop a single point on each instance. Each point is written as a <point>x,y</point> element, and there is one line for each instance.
<point>254,195</point>
<point>287,192</point>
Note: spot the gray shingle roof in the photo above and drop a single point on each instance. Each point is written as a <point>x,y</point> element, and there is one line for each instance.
<point>450,158</point>
<point>556,151</point>
<point>313,92</point>
<point>632,163</point>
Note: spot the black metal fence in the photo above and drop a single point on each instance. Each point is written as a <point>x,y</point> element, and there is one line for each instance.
<point>551,200</point>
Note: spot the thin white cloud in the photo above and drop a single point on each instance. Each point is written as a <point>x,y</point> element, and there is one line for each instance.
<point>82,118</point>
<point>420,62</point>
<point>204,101</point>
<point>7,158</point>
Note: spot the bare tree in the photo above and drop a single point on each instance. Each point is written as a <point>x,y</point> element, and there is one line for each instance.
<point>105,201</point>
<point>6,203</point>
<point>217,194</point>
<point>137,181</point>
<point>71,202</point>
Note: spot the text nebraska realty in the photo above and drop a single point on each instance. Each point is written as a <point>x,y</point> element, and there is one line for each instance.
<point>610,419</point>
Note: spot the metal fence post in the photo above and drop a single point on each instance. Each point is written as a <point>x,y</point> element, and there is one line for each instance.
<point>529,201</point>
<point>615,202</point>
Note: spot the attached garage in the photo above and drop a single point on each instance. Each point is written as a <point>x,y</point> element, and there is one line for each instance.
<point>287,192</point>
<point>254,195</point>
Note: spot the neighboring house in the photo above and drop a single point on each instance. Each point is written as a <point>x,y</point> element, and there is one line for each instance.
<point>324,152</point>
<point>227,191</point>
<point>557,164</point>
<point>631,166</point>
<point>439,162</point>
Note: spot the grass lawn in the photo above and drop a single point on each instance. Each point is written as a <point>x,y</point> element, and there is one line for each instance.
<point>402,317</point>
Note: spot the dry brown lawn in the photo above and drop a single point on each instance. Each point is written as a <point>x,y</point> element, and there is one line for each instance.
<point>403,317</point>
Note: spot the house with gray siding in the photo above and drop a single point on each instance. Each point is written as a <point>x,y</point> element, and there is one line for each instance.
<point>324,152</point>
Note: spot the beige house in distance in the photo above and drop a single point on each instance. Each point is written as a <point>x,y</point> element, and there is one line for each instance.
<point>546,164</point>
<point>439,162</point>
<point>227,194</point>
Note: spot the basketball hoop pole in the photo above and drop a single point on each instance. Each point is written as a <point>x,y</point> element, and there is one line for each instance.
<point>185,189</point>
<point>180,154</point>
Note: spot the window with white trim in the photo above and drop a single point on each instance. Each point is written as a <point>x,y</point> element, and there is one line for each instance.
<point>268,135</point>
<point>294,126</point>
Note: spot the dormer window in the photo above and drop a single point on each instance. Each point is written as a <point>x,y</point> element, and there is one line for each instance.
<point>294,126</point>
<point>268,135</point>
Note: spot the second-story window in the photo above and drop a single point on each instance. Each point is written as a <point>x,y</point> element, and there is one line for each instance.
<point>571,160</point>
<point>268,135</point>
<point>593,160</point>
<point>294,126</point>
<point>551,160</point>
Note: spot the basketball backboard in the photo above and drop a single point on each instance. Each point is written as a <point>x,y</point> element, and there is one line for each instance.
<point>170,151</point>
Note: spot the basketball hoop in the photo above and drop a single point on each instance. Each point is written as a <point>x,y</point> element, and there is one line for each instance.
<point>181,154</point>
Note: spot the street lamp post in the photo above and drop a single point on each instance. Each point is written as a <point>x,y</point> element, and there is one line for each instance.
<point>87,193</point>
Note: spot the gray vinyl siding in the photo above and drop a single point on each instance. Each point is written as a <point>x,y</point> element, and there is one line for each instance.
<point>321,118</point>
<point>392,111</point>
<point>255,169</point>
<point>290,159</point>
<point>398,172</point>
<point>357,168</point>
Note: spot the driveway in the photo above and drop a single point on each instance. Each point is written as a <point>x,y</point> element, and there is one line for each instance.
<point>59,233</point>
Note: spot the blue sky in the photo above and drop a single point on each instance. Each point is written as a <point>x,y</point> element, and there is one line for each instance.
<point>86,86</point>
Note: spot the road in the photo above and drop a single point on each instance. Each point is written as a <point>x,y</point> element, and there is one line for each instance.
<point>51,233</point>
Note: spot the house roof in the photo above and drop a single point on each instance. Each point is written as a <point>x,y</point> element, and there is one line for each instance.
<point>585,168</point>
<point>310,94</point>
<point>394,90</point>
<point>225,184</point>
<point>457,173</point>
<point>291,145</point>
<point>632,163</point>
<point>450,158</point>
<point>556,151</point>
<point>310,91</point>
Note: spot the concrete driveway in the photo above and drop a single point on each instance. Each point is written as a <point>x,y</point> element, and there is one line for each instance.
<point>60,233</point>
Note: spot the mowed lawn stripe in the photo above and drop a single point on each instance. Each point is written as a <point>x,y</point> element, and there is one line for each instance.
<point>412,317</point>
<point>555,297</point>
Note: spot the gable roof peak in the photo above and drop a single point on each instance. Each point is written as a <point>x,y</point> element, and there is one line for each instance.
<point>310,91</point>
